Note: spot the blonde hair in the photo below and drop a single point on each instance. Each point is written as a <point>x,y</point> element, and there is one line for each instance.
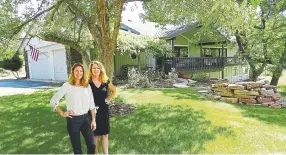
<point>102,76</point>
<point>83,80</point>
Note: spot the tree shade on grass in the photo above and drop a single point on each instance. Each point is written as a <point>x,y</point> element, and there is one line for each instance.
<point>165,121</point>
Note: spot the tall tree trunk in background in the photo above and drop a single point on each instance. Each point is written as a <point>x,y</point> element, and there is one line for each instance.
<point>255,70</point>
<point>85,59</point>
<point>103,35</point>
<point>276,76</point>
<point>279,67</point>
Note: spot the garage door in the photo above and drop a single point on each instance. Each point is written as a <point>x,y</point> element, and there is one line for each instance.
<point>60,67</point>
<point>40,69</point>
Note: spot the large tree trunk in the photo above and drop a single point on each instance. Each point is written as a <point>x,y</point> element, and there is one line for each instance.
<point>276,75</point>
<point>85,59</point>
<point>255,72</point>
<point>279,68</point>
<point>26,64</point>
<point>107,59</point>
<point>102,34</point>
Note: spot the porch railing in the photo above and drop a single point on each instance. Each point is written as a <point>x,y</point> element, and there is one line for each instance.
<point>198,63</point>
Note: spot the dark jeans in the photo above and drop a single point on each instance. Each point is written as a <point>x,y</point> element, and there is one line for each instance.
<point>78,124</point>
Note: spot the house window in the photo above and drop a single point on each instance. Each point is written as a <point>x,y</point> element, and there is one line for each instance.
<point>213,52</point>
<point>181,51</point>
<point>234,71</point>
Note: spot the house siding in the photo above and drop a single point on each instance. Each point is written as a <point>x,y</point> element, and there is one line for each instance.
<point>143,60</point>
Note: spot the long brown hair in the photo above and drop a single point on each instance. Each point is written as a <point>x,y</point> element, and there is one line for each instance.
<point>102,76</point>
<point>83,80</point>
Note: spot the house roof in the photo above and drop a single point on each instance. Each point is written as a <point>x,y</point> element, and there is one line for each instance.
<point>175,31</point>
<point>124,27</point>
<point>172,32</point>
<point>144,28</point>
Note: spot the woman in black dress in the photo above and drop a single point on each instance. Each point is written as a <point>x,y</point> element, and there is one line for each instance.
<point>100,86</point>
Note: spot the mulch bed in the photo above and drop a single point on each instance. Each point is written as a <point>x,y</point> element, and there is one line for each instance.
<point>120,109</point>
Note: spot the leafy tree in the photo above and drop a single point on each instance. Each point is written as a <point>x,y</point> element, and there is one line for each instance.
<point>99,19</point>
<point>128,42</point>
<point>14,64</point>
<point>255,31</point>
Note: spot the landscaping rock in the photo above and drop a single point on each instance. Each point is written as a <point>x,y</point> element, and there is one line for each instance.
<point>229,100</point>
<point>276,106</point>
<point>234,86</point>
<point>246,92</point>
<point>191,81</point>
<point>213,97</point>
<point>225,94</point>
<point>269,87</point>
<point>276,96</point>
<point>252,85</point>
<point>267,103</point>
<point>219,85</point>
<point>267,93</point>
<point>247,101</point>
<point>252,93</point>
<point>264,100</point>
<point>244,96</point>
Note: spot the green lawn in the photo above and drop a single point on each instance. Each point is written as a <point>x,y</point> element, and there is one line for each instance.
<point>165,121</point>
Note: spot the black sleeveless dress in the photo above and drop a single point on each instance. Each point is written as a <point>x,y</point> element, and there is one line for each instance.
<point>102,114</point>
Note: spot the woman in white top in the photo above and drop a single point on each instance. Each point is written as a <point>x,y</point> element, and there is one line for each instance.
<point>79,100</point>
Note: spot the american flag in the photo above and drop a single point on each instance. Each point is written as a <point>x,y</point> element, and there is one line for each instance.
<point>34,53</point>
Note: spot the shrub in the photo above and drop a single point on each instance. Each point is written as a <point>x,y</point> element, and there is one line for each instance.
<point>13,64</point>
<point>136,79</point>
<point>201,77</point>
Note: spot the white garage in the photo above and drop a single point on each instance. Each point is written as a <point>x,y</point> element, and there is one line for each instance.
<point>51,63</point>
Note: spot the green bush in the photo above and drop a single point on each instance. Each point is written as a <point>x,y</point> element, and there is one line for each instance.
<point>13,64</point>
<point>137,79</point>
<point>201,77</point>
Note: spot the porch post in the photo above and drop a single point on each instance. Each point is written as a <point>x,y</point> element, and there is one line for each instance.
<point>172,43</point>
<point>222,50</point>
<point>201,47</point>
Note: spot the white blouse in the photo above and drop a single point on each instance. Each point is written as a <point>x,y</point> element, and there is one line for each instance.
<point>78,99</point>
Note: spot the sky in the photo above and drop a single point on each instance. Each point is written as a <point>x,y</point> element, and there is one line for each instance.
<point>130,17</point>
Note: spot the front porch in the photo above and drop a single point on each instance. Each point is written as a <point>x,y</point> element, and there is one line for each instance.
<point>199,63</point>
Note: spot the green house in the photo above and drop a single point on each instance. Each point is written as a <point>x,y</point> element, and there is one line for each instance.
<point>212,53</point>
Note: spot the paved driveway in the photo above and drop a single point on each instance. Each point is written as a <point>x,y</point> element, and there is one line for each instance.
<point>13,86</point>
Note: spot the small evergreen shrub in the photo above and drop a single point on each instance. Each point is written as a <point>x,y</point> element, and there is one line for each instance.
<point>13,64</point>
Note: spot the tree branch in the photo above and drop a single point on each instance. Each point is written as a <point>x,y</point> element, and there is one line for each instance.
<point>75,10</point>
<point>54,11</point>
<point>79,31</point>
<point>117,23</point>
<point>18,29</point>
<point>61,40</point>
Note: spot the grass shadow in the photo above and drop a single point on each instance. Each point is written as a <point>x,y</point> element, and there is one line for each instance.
<point>163,129</point>
<point>28,126</point>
